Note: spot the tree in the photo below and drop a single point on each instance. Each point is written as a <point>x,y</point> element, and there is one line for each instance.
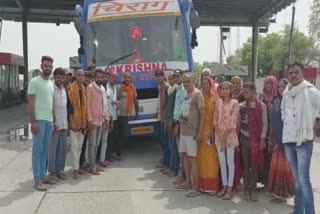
<point>273,50</point>
<point>314,20</point>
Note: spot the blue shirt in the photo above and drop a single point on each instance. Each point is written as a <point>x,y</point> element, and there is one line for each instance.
<point>112,93</point>
<point>180,94</point>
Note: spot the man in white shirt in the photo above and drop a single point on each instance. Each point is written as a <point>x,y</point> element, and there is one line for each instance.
<point>299,108</point>
<point>58,146</point>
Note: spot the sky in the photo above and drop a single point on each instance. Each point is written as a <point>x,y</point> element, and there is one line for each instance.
<point>62,41</point>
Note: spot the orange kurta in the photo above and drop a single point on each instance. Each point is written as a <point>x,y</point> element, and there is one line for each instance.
<point>208,160</point>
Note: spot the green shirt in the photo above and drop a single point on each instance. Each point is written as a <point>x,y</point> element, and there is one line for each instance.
<point>43,91</point>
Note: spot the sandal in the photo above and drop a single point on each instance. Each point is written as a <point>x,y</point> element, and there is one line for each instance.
<point>222,192</point>
<point>214,193</point>
<point>183,186</point>
<point>40,187</point>
<point>192,193</point>
<point>227,196</point>
<point>103,164</point>
<point>95,172</point>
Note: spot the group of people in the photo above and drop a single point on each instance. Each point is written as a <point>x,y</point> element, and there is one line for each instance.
<point>89,108</point>
<point>221,133</point>
<point>210,137</point>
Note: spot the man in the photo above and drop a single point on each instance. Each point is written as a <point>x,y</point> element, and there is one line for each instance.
<point>102,150</point>
<point>180,94</point>
<point>163,104</point>
<point>174,153</point>
<point>127,95</point>
<point>97,115</point>
<point>77,112</point>
<point>114,134</point>
<point>40,109</point>
<point>58,145</point>
<point>68,79</point>
<point>191,126</point>
<point>300,106</point>
<point>84,155</point>
<point>253,131</point>
<point>92,70</point>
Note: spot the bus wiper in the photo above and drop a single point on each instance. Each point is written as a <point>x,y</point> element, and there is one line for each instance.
<point>120,58</point>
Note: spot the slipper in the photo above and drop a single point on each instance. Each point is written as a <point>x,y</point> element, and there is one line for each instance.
<point>192,193</point>
<point>222,193</point>
<point>212,193</point>
<point>227,196</point>
<point>182,186</point>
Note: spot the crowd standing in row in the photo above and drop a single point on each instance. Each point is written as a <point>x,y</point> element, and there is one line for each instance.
<point>227,132</point>
<point>216,135</point>
<point>91,108</point>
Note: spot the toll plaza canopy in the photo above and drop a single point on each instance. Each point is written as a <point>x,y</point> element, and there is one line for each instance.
<point>212,12</point>
<point>254,13</point>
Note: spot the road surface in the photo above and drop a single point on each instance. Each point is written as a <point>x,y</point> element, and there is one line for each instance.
<point>133,186</point>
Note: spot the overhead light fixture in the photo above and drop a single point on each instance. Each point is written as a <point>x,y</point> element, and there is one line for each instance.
<point>263,30</point>
<point>272,20</point>
<point>225,30</point>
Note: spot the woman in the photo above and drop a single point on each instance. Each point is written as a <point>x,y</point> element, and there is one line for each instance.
<point>226,136</point>
<point>281,181</point>
<point>236,86</point>
<point>270,91</point>
<point>207,152</point>
<point>236,93</point>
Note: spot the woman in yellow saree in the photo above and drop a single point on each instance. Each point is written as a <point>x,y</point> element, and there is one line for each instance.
<point>208,160</point>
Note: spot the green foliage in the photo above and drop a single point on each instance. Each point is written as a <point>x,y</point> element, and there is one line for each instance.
<point>273,51</point>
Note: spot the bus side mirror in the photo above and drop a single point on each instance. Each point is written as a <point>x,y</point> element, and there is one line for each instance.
<point>194,19</point>
<point>78,20</point>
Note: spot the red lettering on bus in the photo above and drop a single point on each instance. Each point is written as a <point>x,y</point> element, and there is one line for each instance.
<point>128,68</point>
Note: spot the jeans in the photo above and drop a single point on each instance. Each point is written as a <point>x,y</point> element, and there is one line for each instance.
<point>40,149</point>
<point>76,141</point>
<point>174,153</point>
<point>300,160</point>
<point>227,178</point>
<point>57,151</point>
<point>164,141</point>
<point>104,143</point>
<point>93,143</point>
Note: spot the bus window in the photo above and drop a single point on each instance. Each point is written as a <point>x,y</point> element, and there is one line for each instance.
<point>147,93</point>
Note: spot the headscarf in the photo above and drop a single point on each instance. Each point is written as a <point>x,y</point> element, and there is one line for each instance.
<point>212,85</point>
<point>274,89</point>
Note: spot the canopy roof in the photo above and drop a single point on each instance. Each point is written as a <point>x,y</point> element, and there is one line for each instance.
<point>212,12</point>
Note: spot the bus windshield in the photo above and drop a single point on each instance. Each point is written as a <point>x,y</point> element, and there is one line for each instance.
<point>154,39</point>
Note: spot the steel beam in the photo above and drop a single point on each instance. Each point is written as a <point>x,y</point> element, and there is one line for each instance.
<point>254,60</point>
<point>25,47</point>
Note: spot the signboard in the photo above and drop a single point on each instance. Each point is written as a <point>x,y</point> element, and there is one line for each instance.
<point>122,9</point>
<point>152,66</point>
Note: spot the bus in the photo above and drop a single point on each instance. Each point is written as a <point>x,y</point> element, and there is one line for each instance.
<point>11,71</point>
<point>138,36</point>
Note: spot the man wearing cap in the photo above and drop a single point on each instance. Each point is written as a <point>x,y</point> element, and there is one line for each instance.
<point>180,94</point>
<point>163,104</point>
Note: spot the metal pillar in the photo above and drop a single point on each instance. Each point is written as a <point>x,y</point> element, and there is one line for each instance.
<point>25,48</point>
<point>221,46</point>
<point>291,34</point>
<point>254,60</point>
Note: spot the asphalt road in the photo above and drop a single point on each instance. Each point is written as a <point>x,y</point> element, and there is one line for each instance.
<point>133,186</point>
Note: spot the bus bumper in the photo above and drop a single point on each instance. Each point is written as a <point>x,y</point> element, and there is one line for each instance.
<point>144,127</point>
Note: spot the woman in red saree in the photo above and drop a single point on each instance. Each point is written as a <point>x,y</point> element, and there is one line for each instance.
<point>281,181</point>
